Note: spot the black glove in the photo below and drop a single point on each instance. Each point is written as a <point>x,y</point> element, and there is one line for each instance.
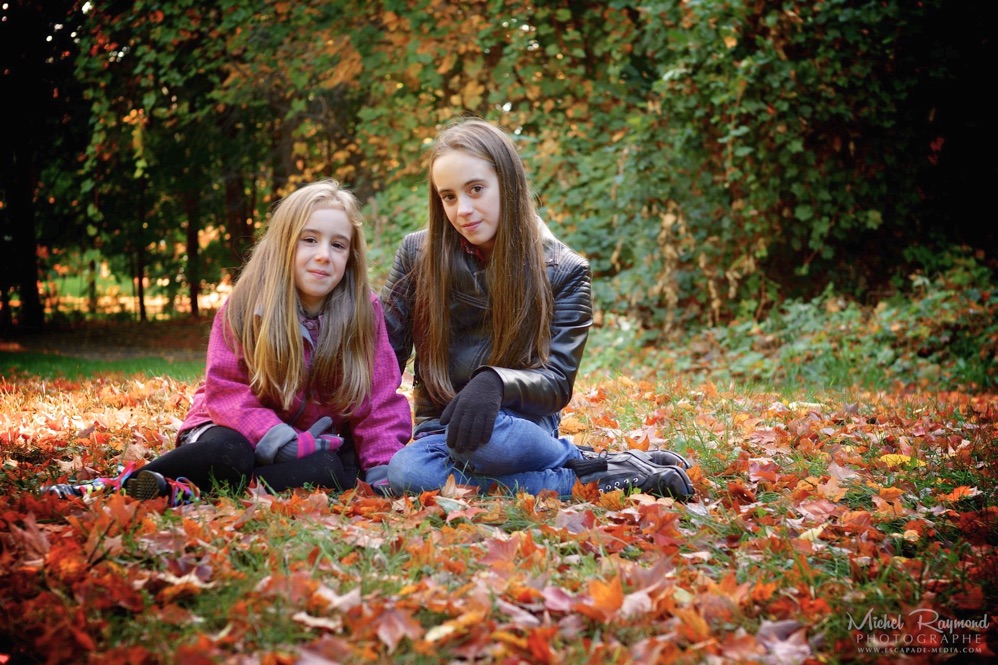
<point>471,415</point>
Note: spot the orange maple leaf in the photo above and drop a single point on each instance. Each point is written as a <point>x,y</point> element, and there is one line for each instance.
<point>961,492</point>
<point>605,598</point>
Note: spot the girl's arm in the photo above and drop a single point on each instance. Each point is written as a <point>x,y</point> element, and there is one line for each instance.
<point>382,424</point>
<point>227,395</point>
<point>548,389</point>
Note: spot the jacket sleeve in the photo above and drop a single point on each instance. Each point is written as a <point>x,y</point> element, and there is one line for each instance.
<point>397,296</point>
<point>548,389</point>
<point>227,395</point>
<point>382,424</point>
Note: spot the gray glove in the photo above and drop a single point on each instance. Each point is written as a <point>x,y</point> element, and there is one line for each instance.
<point>283,443</point>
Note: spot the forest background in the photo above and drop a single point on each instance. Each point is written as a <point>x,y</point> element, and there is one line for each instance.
<point>718,163</point>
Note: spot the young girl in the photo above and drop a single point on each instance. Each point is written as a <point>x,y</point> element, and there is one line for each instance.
<point>300,383</point>
<point>498,311</point>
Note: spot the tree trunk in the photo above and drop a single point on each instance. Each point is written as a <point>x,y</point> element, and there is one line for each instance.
<point>237,206</point>
<point>25,96</point>
<point>6,321</point>
<point>237,218</point>
<point>19,243</point>
<point>192,206</point>
<point>92,287</point>
<point>140,271</point>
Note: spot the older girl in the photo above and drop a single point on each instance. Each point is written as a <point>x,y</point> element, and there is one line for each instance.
<point>301,382</point>
<point>498,311</point>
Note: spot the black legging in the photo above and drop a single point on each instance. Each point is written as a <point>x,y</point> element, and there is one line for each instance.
<point>224,457</point>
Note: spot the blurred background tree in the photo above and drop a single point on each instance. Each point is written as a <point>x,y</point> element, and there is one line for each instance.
<point>712,160</point>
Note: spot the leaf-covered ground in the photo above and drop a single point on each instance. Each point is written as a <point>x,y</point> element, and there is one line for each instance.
<point>840,527</point>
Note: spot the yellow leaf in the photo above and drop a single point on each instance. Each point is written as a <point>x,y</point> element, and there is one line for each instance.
<point>812,534</point>
<point>895,460</point>
<point>510,638</point>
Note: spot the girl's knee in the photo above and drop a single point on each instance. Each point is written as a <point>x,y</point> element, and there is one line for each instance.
<point>399,475</point>
<point>419,467</point>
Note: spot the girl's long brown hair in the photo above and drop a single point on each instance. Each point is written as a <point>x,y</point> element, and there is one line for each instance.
<point>519,292</point>
<point>263,310</point>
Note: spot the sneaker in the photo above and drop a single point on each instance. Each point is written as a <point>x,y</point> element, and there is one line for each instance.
<point>633,470</point>
<point>660,457</point>
<point>91,487</point>
<point>146,485</point>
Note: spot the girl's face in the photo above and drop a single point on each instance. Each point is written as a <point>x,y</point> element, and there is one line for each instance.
<point>469,191</point>
<point>321,256</point>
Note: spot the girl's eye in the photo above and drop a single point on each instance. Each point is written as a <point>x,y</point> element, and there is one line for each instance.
<point>477,189</point>
<point>447,198</point>
<point>339,245</point>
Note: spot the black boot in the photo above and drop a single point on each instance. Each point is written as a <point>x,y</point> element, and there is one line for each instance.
<point>633,470</point>
<point>660,457</point>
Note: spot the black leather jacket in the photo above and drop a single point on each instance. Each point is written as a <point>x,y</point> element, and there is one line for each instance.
<point>531,392</point>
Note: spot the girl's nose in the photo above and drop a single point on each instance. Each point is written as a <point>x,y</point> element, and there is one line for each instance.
<point>464,206</point>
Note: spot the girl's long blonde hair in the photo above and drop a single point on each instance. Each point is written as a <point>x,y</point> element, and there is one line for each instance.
<point>520,296</point>
<point>263,311</point>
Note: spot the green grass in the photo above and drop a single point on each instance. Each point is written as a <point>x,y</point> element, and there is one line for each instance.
<point>52,366</point>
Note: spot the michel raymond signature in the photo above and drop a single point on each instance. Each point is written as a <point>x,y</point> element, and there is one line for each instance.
<point>925,618</point>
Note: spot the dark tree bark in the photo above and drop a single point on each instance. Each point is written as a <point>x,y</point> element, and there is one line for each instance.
<point>192,207</point>
<point>140,288</point>
<point>19,242</point>
<point>23,78</point>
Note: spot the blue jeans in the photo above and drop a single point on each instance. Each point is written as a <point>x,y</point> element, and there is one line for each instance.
<point>521,456</point>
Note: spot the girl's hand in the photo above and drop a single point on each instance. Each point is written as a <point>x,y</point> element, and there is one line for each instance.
<point>318,437</point>
<point>471,415</point>
<point>283,443</point>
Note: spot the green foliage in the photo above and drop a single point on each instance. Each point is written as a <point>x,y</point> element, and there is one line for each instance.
<point>949,330</point>
<point>712,160</point>
<point>768,140</point>
<point>942,336</point>
<point>390,215</point>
